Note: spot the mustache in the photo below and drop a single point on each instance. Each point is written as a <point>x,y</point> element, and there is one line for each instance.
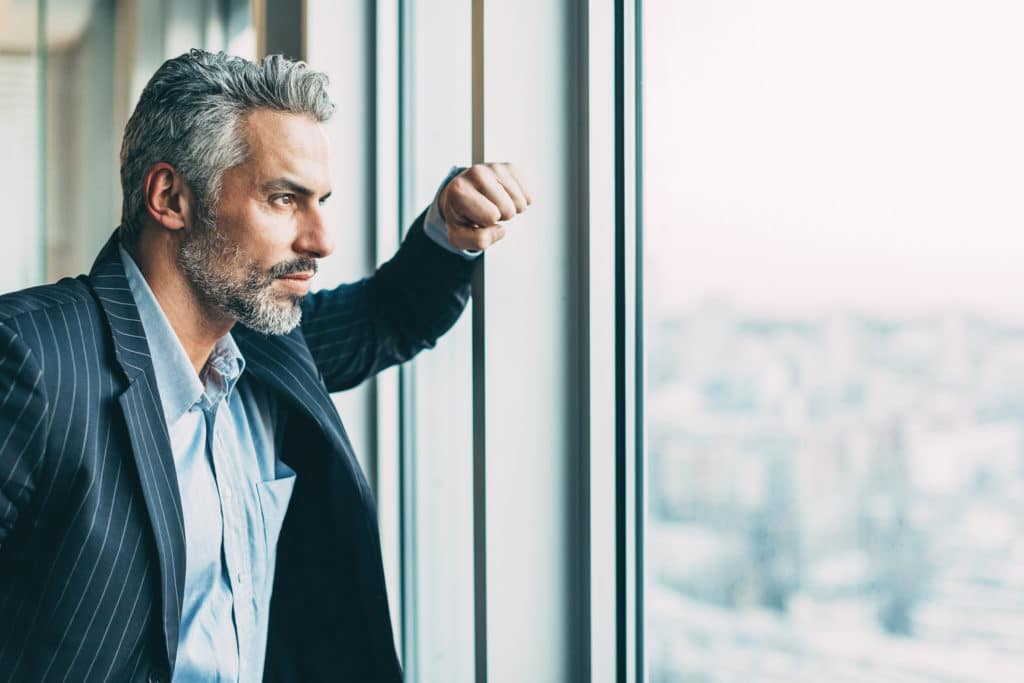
<point>299,265</point>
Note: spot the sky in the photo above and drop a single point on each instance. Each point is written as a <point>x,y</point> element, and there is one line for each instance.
<point>804,157</point>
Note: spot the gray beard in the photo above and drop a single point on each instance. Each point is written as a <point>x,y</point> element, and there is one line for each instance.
<point>227,284</point>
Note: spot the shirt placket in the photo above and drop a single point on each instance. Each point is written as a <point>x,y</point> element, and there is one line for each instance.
<point>237,558</point>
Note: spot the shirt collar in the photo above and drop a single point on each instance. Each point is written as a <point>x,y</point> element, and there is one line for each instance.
<point>179,386</point>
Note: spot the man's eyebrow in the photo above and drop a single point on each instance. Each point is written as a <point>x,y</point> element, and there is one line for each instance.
<point>286,185</point>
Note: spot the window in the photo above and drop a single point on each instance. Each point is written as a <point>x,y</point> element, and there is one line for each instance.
<point>834,341</point>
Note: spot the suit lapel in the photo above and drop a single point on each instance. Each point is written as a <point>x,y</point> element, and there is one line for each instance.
<point>285,365</point>
<point>147,430</point>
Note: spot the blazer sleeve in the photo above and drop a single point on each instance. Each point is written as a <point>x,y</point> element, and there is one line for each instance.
<point>23,422</point>
<point>358,329</point>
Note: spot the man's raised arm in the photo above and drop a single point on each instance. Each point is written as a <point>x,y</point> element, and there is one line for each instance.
<point>358,329</point>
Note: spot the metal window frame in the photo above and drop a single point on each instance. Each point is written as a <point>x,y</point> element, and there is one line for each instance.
<point>479,369</point>
<point>629,363</point>
<point>606,501</point>
<point>391,483</point>
<point>608,507</point>
<point>406,396</point>
<point>599,386</point>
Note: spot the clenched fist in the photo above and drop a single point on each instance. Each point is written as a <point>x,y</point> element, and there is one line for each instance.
<point>476,203</point>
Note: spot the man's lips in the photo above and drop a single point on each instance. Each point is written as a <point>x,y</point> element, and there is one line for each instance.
<point>296,281</point>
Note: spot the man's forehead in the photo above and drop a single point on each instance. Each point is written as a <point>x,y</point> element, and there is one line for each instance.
<point>262,120</point>
<point>288,145</point>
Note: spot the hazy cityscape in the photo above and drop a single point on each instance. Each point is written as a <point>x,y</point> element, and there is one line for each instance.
<point>836,498</point>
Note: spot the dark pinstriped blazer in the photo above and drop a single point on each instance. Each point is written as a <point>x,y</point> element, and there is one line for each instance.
<point>92,546</point>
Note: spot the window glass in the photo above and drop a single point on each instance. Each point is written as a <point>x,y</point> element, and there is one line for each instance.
<point>834,340</point>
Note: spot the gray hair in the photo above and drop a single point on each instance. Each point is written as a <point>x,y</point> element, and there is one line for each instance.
<point>189,116</point>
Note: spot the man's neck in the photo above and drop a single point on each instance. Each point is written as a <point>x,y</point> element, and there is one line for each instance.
<point>197,328</point>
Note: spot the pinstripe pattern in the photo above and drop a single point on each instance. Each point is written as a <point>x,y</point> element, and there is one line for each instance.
<point>92,541</point>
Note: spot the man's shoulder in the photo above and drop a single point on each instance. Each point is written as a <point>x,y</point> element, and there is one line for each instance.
<point>60,322</point>
<point>47,300</point>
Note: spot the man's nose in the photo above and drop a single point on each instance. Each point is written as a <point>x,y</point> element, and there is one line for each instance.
<point>315,239</point>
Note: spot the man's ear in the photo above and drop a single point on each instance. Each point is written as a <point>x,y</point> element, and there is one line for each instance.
<point>168,200</point>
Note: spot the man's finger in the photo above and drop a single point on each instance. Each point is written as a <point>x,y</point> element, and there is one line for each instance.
<point>486,182</point>
<point>507,177</point>
<point>477,239</point>
<point>465,206</point>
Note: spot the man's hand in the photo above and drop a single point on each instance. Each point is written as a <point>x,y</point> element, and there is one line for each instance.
<point>477,201</point>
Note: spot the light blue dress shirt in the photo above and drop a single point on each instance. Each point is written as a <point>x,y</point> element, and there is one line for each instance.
<point>225,438</point>
<point>234,494</point>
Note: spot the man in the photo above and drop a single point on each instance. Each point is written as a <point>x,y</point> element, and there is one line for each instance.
<point>178,497</point>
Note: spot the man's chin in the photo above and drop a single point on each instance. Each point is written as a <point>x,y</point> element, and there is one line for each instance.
<point>274,320</point>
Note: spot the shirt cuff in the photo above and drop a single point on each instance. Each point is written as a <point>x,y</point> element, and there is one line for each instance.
<point>433,224</point>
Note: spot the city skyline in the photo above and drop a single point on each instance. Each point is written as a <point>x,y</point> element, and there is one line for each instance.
<point>838,497</point>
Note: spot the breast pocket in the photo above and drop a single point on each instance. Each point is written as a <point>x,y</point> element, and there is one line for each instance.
<point>274,496</point>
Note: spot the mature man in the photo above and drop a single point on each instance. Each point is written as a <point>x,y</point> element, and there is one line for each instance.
<point>178,497</point>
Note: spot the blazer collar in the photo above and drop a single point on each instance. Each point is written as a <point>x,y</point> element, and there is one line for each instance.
<point>115,296</point>
<point>147,430</point>
<point>284,363</point>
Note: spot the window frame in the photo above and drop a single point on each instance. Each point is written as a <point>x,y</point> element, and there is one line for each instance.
<point>630,473</point>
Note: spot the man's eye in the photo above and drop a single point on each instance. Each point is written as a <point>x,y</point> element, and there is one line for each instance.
<point>283,199</point>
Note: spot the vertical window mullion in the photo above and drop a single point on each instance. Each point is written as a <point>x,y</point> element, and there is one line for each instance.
<point>479,372</point>
<point>598,203</point>
<point>387,215</point>
<point>629,480</point>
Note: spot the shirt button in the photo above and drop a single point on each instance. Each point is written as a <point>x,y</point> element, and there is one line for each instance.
<point>240,577</point>
<point>227,491</point>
